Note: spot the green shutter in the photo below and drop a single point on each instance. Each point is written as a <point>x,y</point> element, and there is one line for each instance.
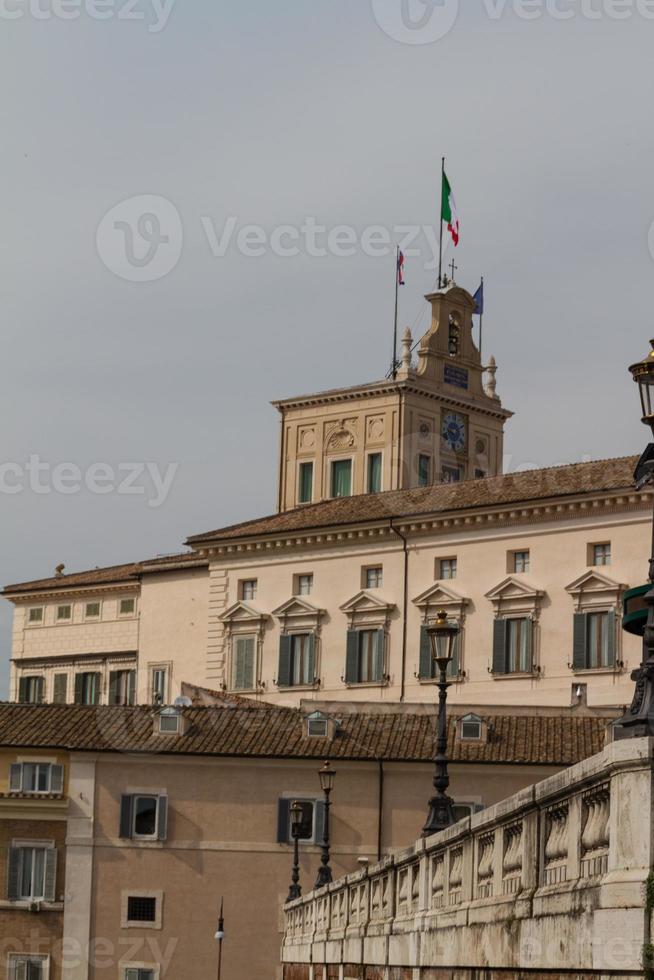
<point>60,693</point>
<point>319,819</point>
<point>22,690</point>
<point>57,779</point>
<point>612,640</point>
<point>283,819</point>
<point>79,688</point>
<point>378,667</point>
<point>580,642</point>
<point>352,657</point>
<point>455,663</point>
<point>284,678</point>
<point>50,890</point>
<point>162,828</point>
<point>114,681</point>
<point>126,812</point>
<point>131,688</point>
<point>425,654</point>
<point>13,874</point>
<point>529,625</point>
<point>312,657</point>
<point>97,689</point>
<point>39,690</point>
<point>499,646</point>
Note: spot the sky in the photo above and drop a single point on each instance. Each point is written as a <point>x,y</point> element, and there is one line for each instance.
<point>165,168</point>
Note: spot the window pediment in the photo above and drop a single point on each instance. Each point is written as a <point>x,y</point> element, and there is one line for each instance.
<point>242,616</point>
<point>437,597</point>
<point>365,609</point>
<point>515,596</point>
<point>297,613</point>
<point>593,588</point>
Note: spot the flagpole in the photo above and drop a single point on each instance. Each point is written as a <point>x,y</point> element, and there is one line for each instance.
<point>440,214</point>
<point>397,291</point>
<point>481,317</point>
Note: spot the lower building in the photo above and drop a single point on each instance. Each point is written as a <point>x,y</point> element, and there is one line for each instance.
<point>156,816</point>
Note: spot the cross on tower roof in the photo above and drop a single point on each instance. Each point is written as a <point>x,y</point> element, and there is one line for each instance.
<point>454,268</point>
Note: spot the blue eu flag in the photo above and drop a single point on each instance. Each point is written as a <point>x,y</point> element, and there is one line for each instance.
<point>479,299</point>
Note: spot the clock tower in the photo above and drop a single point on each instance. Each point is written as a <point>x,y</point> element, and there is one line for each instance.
<point>436,421</point>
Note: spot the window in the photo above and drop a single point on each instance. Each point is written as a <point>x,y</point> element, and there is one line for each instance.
<point>138,973</point>
<point>35,615</point>
<point>454,339</point>
<point>424,470</point>
<point>60,689</point>
<point>64,613</point>
<point>594,640</point>
<point>144,817</point>
<point>471,728</point>
<point>88,688</point>
<point>365,657</point>
<point>297,660</point>
<point>243,663</point>
<point>36,777</point>
<point>305,490</point>
<point>313,821</point>
<point>92,610</point>
<point>32,872</point>
<point>249,590</point>
<point>31,690</point>
<point>512,645</point>
<point>140,909</point>
<point>169,722</point>
<point>317,725</point>
<point>159,685</point>
<point>519,562</point>
<point>374,578</point>
<point>127,607</point>
<point>447,568</point>
<point>341,478</point>
<point>601,554</point>
<point>428,667</point>
<point>303,584</point>
<point>122,687</point>
<point>451,474</point>
<point>27,967</point>
<point>374,473</point>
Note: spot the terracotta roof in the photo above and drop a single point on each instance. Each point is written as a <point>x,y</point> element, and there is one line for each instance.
<point>553,482</point>
<point>114,574</point>
<point>276,732</point>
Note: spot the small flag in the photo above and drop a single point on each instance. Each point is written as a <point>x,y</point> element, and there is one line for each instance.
<point>400,268</point>
<point>479,300</point>
<point>448,210</point>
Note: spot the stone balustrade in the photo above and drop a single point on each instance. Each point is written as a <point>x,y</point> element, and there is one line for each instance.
<point>551,880</point>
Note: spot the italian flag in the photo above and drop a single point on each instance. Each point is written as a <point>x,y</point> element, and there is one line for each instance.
<point>448,210</point>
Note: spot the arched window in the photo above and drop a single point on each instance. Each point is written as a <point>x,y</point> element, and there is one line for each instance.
<point>454,343</point>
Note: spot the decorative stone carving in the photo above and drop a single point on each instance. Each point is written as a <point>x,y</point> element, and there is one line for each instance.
<point>408,889</point>
<point>456,876</point>
<point>307,440</point>
<point>376,429</point>
<point>438,881</point>
<point>341,436</point>
<point>485,849</point>
<point>596,811</point>
<point>512,860</point>
<point>556,844</point>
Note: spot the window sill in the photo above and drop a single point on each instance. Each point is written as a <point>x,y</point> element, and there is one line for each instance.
<point>299,687</point>
<point>23,905</point>
<point>368,684</point>
<point>520,676</point>
<point>599,670</point>
<point>433,682</point>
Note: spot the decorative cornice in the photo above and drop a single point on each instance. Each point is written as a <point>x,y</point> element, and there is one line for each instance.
<point>76,592</point>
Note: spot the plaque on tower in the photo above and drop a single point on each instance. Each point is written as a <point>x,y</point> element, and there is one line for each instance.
<point>456,376</point>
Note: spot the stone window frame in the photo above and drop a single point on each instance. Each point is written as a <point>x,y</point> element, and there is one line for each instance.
<point>17,957</point>
<point>513,598</point>
<point>430,603</point>
<point>594,592</point>
<point>366,611</point>
<point>240,620</point>
<point>125,923</point>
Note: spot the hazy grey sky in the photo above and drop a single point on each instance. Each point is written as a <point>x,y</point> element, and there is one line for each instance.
<point>271,114</point>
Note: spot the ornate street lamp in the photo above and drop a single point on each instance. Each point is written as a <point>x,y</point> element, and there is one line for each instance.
<point>442,636</point>
<point>295,890</point>
<point>327,777</point>
<point>639,719</point>
<point>219,937</point>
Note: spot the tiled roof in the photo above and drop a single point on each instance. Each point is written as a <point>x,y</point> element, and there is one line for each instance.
<point>536,739</point>
<point>553,482</point>
<point>115,574</point>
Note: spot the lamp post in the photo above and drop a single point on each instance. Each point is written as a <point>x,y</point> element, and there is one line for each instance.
<point>295,891</point>
<point>327,777</point>
<point>442,637</point>
<point>639,718</point>
<point>220,935</point>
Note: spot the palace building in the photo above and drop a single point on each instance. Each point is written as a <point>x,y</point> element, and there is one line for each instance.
<point>392,505</point>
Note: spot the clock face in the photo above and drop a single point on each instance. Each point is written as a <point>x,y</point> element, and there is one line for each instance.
<point>454,432</point>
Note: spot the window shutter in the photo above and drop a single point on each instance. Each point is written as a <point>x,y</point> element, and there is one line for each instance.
<point>529,626</point>
<point>22,690</point>
<point>126,806</point>
<point>131,688</point>
<point>283,820</point>
<point>50,890</point>
<point>455,663</point>
<point>34,970</point>
<point>425,654</point>
<point>162,832</point>
<point>249,663</point>
<point>352,657</point>
<point>380,644</point>
<point>319,821</point>
<point>499,646</point>
<point>97,689</point>
<point>20,970</point>
<point>13,874</point>
<point>580,642</point>
<point>56,779</point>
<point>612,640</point>
<point>16,777</point>
<point>312,657</point>
<point>79,688</point>
<point>284,669</point>
<point>113,687</point>
<point>60,694</point>
<point>39,693</point>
